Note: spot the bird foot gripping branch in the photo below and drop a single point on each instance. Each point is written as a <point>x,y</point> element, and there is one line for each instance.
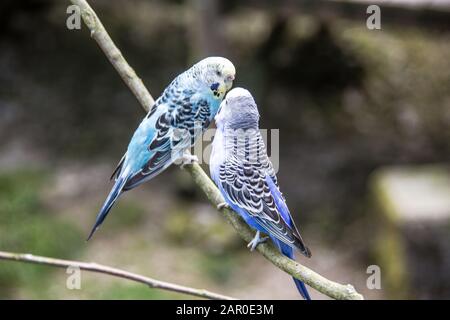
<point>223,205</point>
<point>256,240</point>
<point>187,158</point>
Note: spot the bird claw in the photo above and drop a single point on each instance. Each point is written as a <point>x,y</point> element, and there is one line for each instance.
<point>188,158</point>
<point>256,241</point>
<point>223,205</point>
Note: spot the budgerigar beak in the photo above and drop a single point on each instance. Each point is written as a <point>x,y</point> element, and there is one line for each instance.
<point>224,88</point>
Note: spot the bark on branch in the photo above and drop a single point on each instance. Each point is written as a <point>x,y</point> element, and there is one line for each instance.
<point>313,279</point>
<point>118,273</point>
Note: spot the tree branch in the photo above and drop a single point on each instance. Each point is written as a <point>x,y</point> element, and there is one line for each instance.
<point>98,268</point>
<point>313,279</point>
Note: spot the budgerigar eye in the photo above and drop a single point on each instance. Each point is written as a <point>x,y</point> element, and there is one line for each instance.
<point>218,73</point>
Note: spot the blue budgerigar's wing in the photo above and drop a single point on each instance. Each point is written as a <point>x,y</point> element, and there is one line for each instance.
<point>178,116</point>
<point>162,150</point>
<point>181,116</point>
<point>249,185</point>
<point>116,171</point>
<point>153,147</point>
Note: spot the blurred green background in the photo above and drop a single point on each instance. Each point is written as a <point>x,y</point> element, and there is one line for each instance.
<point>364,120</point>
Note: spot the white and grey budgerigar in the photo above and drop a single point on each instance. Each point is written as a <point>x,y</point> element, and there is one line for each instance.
<point>241,169</point>
<point>178,117</point>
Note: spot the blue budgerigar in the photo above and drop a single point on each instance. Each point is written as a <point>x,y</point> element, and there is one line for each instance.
<point>178,117</point>
<point>245,176</point>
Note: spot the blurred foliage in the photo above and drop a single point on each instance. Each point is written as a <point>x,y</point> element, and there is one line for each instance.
<point>192,227</point>
<point>127,291</point>
<point>127,214</point>
<point>27,226</point>
<point>219,267</point>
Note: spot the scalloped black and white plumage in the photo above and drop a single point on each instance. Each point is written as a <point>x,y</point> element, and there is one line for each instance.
<point>246,177</point>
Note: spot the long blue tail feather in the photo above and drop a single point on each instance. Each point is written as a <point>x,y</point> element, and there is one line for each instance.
<point>109,202</point>
<point>289,252</point>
